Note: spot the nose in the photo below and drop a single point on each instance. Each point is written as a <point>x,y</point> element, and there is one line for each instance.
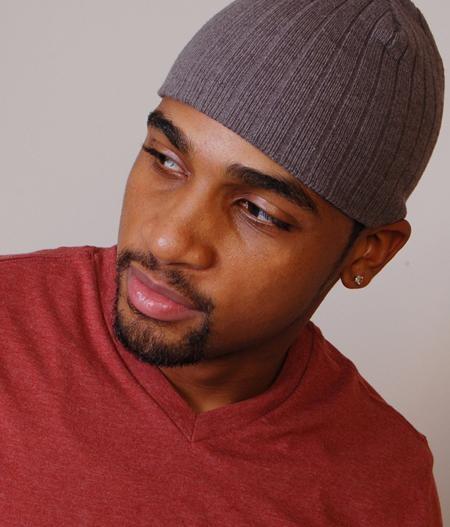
<point>179,232</point>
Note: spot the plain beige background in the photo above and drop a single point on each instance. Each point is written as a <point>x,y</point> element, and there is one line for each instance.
<point>78,79</point>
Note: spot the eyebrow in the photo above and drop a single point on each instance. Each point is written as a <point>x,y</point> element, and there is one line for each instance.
<point>256,179</point>
<point>291,191</point>
<point>175,135</point>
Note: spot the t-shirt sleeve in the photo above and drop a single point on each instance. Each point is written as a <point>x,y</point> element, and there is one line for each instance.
<point>433,516</point>
<point>424,508</point>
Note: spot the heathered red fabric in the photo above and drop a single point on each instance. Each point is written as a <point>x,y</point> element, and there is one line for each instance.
<point>90,436</point>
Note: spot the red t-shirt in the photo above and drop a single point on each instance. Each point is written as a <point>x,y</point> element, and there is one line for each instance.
<point>91,436</point>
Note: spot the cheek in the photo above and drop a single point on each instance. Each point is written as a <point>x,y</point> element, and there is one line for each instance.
<point>263,296</point>
<point>134,206</point>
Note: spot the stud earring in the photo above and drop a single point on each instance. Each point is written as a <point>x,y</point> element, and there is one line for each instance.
<point>359,279</point>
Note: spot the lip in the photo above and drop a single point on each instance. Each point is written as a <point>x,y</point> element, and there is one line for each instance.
<point>155,300</point>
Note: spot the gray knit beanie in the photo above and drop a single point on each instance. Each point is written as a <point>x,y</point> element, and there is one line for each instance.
<point>347,95</point>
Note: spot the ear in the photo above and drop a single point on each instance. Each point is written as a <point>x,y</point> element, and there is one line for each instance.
<point>372,250</point>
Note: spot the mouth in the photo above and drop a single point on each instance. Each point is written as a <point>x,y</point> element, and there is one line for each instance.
<point>155,300</point>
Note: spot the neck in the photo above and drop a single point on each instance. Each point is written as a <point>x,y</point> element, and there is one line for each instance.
<point>230,378</point>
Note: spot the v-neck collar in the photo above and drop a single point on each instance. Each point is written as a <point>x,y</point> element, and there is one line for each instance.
<point>228,418</point>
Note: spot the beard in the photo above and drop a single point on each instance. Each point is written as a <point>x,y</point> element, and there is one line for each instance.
<point>149,339</point>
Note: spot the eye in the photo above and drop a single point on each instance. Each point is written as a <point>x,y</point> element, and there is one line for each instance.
<point>170,163</point>
<point>164,161</point>
<point>263,217</point>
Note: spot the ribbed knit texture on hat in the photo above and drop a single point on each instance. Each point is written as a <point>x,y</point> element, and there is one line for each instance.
<point>347,95</point>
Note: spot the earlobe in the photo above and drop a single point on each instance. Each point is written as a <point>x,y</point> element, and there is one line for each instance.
<point>372,251</point>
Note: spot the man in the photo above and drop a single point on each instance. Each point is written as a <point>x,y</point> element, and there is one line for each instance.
<point>177,379</point>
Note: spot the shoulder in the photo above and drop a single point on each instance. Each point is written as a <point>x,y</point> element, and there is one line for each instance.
<point>48,255</point>
<point>58,262</point>
<point>348,389</point>
<point>48,280</point>
<point>384,462</point>
<point>362,424</point>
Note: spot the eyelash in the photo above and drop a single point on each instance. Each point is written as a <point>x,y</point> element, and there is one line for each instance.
<point>161,158</point>
<point>274,221</point>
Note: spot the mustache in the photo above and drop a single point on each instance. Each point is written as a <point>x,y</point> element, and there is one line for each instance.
<point>172,277</point>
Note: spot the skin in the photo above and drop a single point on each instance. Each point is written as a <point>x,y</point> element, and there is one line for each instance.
<point>262,284</point>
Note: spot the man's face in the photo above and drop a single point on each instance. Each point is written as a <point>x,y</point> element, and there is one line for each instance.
<point>250,252</point>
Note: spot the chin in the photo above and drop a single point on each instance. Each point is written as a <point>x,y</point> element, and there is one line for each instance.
<point>152,341</point>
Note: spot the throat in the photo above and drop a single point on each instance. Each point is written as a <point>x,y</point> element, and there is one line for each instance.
<point>219,382</point>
